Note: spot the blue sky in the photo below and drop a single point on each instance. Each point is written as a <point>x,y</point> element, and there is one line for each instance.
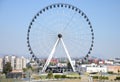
<point>104,15</point>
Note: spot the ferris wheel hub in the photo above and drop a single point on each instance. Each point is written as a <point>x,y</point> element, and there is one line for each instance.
<point>59,35</point>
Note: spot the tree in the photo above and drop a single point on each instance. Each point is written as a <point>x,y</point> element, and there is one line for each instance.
<point>69,65</point>
<point>24,69</point>
<point>7,68</point>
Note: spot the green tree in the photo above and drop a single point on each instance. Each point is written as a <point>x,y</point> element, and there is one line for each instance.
<point>7,68</point>
<point>24,69</point>
<point>69,65</point>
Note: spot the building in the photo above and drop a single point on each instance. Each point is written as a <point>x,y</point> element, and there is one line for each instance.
<point>113,68</point>
<point>24,62</point>
<point>96,61</point>
<point>94,68</point>
<point>6,59</point>
<point>1,64</point>
<point>16,74</point>
<point>109,62</point>
<point>54,61</point>
<point>97,69</point>
<point>117,61</point>
<point>17,63</point>
<point>62,64</point>
<point>101,62</point>
<point>13,62</point>
<point>20,63</point>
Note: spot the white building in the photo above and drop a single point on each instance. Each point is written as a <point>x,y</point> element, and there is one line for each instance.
<point>101,62</point>
<point>21,63</point>
<point>62,64</point>
<point>1,64</point>
<point>24,62</point>
<point>89,65</point>
<point>13,62</point>
<point>6,59</point>
<point>17,63</point>
<point>109,62</point>
<point>96,68</point>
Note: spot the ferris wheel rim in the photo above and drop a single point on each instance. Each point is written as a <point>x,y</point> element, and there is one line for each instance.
<point>55,6</point>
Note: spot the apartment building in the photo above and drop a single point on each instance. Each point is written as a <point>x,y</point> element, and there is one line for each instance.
<point>1,64</point>
<point>17,63</point>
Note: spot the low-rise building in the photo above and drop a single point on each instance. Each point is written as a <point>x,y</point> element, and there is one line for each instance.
<point>113,68</point>
<point>54,61</point>
<point>94,68</point>
<point>16,74</point>
<point>117,61</point>
<point>101,62</point>
<point>109,62</point>
<point>62,64</point>
<point>97,69</point>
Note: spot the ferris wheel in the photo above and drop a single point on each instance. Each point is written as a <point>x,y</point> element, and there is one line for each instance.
<point>60,29</point>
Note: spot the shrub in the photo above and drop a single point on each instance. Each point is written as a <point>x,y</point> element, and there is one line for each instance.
<point>73,77</point>
<point>50,75</point>
<point>110,72</point>
<point>60,76</point>
<point>57,76</point>
<point>95,77</point>
<point>79,77</point>
<point>63,76</point>
<point>103,77</point>
<point>106,78</point>
<point>117,78</point>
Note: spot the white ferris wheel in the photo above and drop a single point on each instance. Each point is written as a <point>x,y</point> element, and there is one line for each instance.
<point>61,29</point>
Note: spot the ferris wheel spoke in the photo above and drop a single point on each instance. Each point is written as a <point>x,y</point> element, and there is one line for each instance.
<point>46,28</point>
<point>86,39</point>
<point>76,42</point>
<point>66,26</point>
<point>77,49</point>
<point>81,44</point>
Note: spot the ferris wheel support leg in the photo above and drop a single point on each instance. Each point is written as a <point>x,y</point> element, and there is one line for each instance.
<point>50,56</point>
<point>66,51</point>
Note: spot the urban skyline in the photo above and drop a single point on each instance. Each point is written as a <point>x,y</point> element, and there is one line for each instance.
<point>16,15</point>
<point>18,63</point>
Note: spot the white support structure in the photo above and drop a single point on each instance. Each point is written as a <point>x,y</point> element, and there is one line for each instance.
<point>50,56</point>
<point>66,51</point>
<point>53,51</point>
